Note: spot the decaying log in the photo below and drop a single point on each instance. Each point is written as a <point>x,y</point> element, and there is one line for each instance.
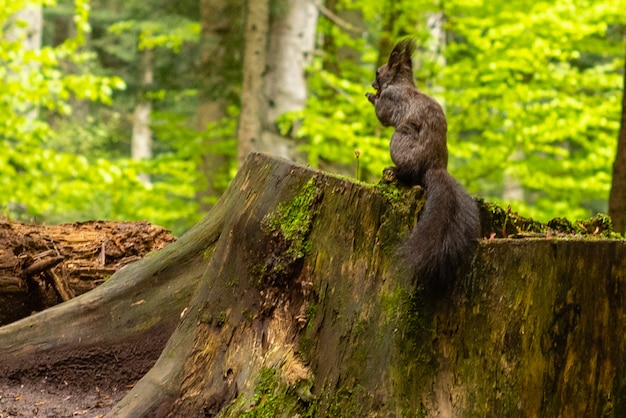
<point>42,265</point>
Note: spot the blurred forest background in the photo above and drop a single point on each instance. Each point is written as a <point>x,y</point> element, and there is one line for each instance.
<point>128,110</point>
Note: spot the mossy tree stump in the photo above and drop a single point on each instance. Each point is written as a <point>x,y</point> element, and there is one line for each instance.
<point>286,299</point>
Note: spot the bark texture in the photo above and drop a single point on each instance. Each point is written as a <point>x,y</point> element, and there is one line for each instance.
<point>617,197</point>
<point>220,69</point>
<point>254,62</point>
<point>290,50</point>
<point>287,299</point>
<point>280,37</point>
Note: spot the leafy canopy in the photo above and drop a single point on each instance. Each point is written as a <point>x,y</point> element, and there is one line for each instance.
<point>532,94</point>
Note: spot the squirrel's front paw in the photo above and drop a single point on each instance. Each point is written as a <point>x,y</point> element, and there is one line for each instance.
<point>371,97</point>
<point>389,175</point>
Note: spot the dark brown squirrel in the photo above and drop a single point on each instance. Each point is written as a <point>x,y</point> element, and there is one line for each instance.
<point>448,227</point>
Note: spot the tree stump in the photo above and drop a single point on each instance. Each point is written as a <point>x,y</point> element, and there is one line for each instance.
<point>286,299</point>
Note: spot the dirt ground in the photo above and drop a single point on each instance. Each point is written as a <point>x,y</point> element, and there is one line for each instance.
<point>44,399</point>
<point>43,265</point>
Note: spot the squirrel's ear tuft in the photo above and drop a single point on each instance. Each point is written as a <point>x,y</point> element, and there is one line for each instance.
<point>400,57</point>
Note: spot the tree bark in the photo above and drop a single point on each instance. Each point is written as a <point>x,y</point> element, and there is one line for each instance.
<point>617,197</point>
<point>290,50</point>
<point>254,62</point>
<point>141,142</point>
<point>276,55</point>
<point>220,66</point>
<point>288,299</point>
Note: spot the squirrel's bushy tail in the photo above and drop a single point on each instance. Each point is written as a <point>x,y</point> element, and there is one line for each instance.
<point>445,233</point>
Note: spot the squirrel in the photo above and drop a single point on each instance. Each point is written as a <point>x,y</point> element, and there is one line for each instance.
<point>449,226</point>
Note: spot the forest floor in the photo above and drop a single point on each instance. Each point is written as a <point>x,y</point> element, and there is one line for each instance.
<point>42,265</point>
<point>45,399</point>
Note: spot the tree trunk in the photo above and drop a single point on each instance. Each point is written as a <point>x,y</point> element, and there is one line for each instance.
<point>617,198</point>
<point>254,62</point>
<point>27,26</point>
<point>274,83</point>
<point>287,299</point>
<point>220,66</point>
<point>141,143</point>
<point>290,50</point>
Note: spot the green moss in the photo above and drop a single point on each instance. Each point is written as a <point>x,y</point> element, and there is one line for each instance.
<point>600,225</point>
<point>288,228</point>
<point>273,398</point>
<point>498,222</point>
<point>221,319</point>
<point>391,303</point>
<point>390,192</point>
<point>405,203</point>
<point>294,218</point>
<point>310,312</point>
<point>402,198</point>
<point>345,402</point>
<point>265,396</point>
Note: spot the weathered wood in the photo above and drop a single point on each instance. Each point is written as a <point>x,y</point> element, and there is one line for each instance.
<point>300,308</point>
<point>42,265</point>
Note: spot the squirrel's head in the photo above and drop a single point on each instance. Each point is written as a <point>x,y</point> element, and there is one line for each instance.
<point>399,67</point>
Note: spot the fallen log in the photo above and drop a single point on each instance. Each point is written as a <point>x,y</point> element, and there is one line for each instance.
<point>43,265</point>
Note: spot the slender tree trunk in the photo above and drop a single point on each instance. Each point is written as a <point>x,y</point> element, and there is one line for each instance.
<point>390,16</point>
<point>253,105</point>
<point>29,27</point>
<point>141,142</point>
<point>290,49</point>
<point>276,57</point>
<point>617,198</point>
<point>220,67</point>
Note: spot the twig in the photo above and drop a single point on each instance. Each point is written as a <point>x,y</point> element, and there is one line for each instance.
<point>335,19</point>
<point>42,265</point>
<point>60,285</point>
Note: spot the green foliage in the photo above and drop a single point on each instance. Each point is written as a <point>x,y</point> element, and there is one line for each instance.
<point>533,98</point>
<point>331,133</point>
<point>532,94</point>
<point>67,172</point>
<point>33,84</point>
<point>32,80</point>
<point>170,32</point>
